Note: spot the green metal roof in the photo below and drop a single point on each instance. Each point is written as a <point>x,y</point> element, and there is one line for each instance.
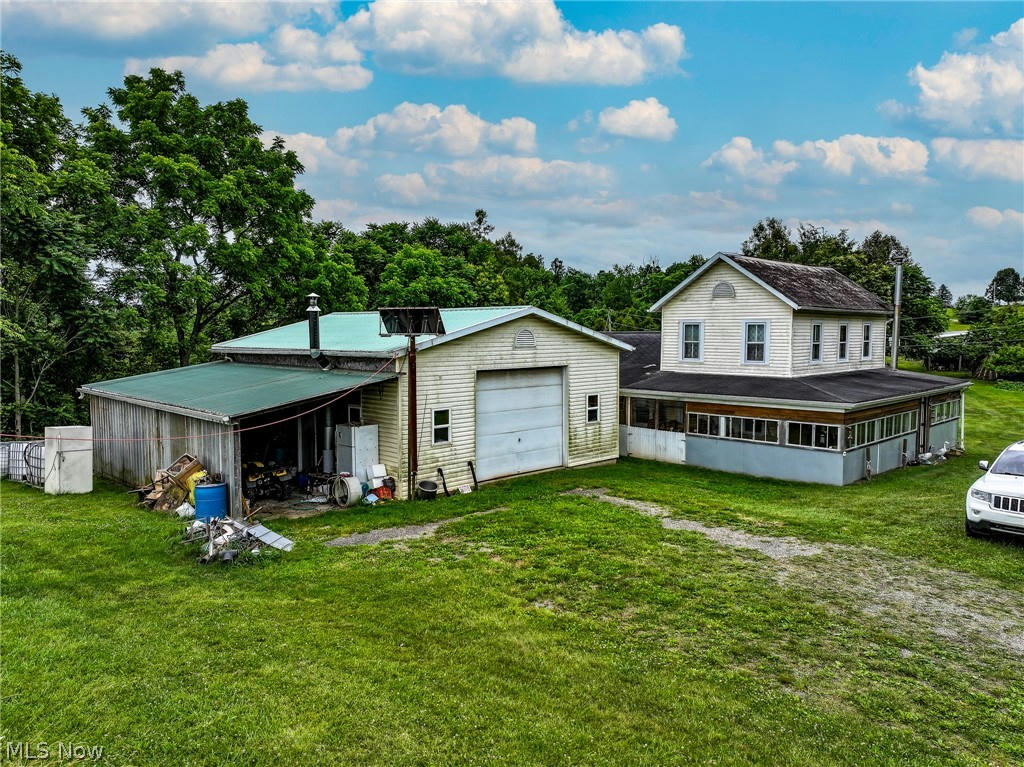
<point>224,390</point>
<point>357,332</point>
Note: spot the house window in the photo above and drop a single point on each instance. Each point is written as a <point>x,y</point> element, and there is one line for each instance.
<point>866,350</point>
<point>755,347</point>
<point>844,339</point>
<point>593,408</point>
<point>700,423</point>
<point>751,429</point>
<point>816,435</point>
<point>945,411</point>
<point>692,337</point>
<point>816,342</point>
<point>442,426</point>
<point>355,414</point>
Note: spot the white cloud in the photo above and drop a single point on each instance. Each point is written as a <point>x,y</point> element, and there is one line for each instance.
<point>882,155</point>
<point>740,157</point>
<point>973,92</point>
<point>410,188</point>
<point>902,208</point>
<point>250,65</point>
<point>990,218</point>
<point>453,130</point>
<point>513,176</point>
<point>992,158</point>
<point>965,37</point>
<point>527,41</point>
<point>115,20</point>
<point>647,119</point>
<point>316,154</point>
<point>712,201</point>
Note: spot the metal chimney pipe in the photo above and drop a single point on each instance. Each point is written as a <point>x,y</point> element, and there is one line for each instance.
<point>313,314</point>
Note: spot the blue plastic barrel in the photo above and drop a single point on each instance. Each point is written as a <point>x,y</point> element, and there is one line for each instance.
<point>211,501</point>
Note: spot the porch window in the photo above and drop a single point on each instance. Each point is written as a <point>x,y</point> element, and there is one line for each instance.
<point>671,416</point>
<point>813,435</point>
<point>844,338</point>
<point>751,429</point>
<point>756,342</point>
<point>701,423</point>
<point>442,426</point>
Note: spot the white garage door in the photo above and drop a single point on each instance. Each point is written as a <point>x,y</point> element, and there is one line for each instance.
<point>519,421</point>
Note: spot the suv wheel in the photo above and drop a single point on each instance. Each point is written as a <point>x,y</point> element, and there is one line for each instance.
<point>973,530</point>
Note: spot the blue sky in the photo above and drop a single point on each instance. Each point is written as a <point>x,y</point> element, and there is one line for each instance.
<point>604,132</point>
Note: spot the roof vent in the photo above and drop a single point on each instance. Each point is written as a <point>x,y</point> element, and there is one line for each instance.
<point>525,339</point>
<point>723,290</point>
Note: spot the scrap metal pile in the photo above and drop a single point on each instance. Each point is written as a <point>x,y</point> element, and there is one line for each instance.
<point>225,539</point>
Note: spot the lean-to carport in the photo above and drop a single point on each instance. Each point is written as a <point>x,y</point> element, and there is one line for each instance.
<point>142,423</point>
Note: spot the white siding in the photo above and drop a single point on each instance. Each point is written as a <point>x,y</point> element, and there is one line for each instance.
<point>723,325</point>
<point>446,378</point>
<point>802,364</point>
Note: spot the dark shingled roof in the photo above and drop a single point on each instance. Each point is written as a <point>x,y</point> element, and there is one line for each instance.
<point>646,360</point>
<point>813,287</point>
<point>640,370</point>
<point>853,387</point>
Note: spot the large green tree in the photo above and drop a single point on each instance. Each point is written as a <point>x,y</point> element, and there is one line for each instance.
<point>56,325</point>
<point>204,217</point>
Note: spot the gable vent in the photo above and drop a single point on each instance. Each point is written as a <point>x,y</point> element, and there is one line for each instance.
<point>525,339</point>
<point>723,290</point>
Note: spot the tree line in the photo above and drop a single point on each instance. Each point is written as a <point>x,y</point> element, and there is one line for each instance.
<point>156,226</point>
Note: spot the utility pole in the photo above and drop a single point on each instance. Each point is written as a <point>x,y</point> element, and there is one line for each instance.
<point>413,438</point>
<point>411,321</point>
<point>896,313</point>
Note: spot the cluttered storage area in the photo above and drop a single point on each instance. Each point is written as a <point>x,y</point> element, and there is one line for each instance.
<point>264,433</point>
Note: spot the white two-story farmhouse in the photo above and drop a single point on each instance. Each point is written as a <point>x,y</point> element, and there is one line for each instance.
<point>778,370</point>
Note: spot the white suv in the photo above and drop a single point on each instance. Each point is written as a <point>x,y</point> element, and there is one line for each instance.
<point>995,503</point>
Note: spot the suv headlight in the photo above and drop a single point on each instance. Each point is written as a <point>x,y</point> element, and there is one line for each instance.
<point>981,495</point>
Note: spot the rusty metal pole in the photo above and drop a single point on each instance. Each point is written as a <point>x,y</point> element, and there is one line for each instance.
<point>413,457</point>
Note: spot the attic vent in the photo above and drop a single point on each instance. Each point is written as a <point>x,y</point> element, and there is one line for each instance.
<point>723,290</point>
<point>525,339</point>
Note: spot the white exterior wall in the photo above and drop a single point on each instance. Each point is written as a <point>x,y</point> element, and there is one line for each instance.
<point>723,320</point>
<point>446,378</point>
<point>830,363</point>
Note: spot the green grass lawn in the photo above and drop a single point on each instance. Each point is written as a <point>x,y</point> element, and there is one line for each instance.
<point>558,631</point>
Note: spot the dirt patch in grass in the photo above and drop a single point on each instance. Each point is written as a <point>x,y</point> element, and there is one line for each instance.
<point>771,546</point>
<point>899,592</point>
<point>403,533</point>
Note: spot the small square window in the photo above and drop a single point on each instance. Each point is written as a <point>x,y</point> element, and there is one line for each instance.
<point>593,408</point>
<point>355,414</point>
<point>442,426</point>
